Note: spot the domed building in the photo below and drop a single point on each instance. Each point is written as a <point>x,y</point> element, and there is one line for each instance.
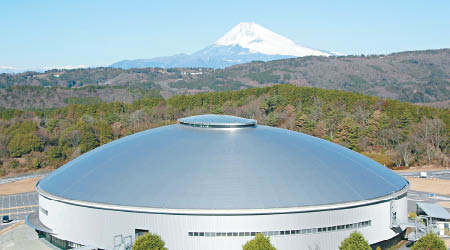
<point>213,182</point>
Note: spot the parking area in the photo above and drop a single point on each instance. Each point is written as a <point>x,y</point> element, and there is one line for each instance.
<point>17,206</point>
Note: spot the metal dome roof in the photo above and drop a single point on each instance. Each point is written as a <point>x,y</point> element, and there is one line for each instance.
<point>189,167</point>
<point>217,121</point>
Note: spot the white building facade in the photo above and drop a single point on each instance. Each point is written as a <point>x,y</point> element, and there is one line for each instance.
<point>105,226</point>
<point>214,182</point>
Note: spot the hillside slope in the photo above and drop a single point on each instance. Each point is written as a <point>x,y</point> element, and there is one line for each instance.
<point>416,76</point>
<point>391,132</point>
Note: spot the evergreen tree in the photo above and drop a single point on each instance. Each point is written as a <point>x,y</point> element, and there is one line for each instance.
<point>304,123</point>
<point>104,132</point>
<point>22,144</point>
<point>347,132</point>
<point>88,139</point>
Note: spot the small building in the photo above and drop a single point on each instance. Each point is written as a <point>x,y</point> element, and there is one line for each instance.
<point>438,216</point>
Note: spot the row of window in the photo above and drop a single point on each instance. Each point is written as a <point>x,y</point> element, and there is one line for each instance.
<point>43,210</point>
<point>285,232</point>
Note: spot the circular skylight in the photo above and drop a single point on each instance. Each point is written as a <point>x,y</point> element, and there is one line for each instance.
<point>217,121</point>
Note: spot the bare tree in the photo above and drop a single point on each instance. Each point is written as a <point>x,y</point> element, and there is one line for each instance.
<point>404,150</point>
<point>316,109</point>
<point>437,130</point>
<point>74,138</point>
<point>361,115</point>
<point>137,117</point>
<point>428,137</point>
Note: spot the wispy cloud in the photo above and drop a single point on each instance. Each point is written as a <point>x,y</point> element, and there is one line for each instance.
<point>7,67</point>
<point>10,69</point>
<point>65,67</point>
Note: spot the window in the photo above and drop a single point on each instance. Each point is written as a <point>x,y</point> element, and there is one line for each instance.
<point>139,232</point>
<point>274,233</point>
<point>43,210</point>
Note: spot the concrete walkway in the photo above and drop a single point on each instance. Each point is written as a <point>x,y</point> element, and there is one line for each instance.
<point>23,237</point>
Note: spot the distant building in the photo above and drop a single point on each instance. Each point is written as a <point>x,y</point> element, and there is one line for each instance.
<point>214,182</point>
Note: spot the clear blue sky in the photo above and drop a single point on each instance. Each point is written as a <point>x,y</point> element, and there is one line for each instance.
<point>68,32</point>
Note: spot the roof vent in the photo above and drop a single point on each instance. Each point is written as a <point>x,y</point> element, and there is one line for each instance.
<point>217,121</point>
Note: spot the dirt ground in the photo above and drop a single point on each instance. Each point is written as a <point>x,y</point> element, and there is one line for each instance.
<point>420,169</point>
<point>445,204</point>
<point>436,186</point>
<point>21,186</point>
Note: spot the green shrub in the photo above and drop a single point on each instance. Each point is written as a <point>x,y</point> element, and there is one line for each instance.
<point>355,241</point>
<point>149,242</point>
<point>260,242</point>
<point>429,242</point>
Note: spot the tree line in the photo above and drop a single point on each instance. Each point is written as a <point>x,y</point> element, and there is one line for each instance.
<point>393,133</point>
<point>355,241</point>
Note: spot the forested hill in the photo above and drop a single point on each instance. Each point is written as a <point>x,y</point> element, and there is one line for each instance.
<point>391,132</point>
<point>416,76</point>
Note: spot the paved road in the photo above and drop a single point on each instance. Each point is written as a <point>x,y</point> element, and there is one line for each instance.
<point>439,174</point>
<point>22,177</point>
<point>416,196</point>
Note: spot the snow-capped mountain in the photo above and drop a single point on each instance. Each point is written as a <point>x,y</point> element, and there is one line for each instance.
<point>261,40</point>
<point>246,42</point>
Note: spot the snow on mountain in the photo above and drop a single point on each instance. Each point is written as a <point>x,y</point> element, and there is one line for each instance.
<point>261,40</point>
<point>246,42</point>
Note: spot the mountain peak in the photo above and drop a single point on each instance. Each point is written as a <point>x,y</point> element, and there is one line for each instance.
<point>258,39</point>
<point>245,42</point>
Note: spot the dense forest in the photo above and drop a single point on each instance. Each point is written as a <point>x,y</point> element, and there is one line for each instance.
<point>415,76</point>
<point>392,133</point>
